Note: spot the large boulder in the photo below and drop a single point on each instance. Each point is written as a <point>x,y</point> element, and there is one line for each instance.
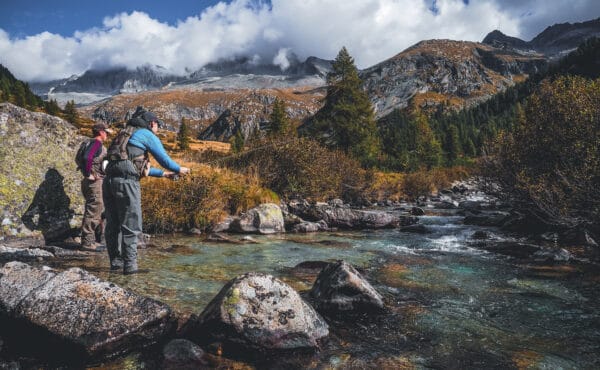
<point>339,287</point>
<point>39,186</point>
<point>348,218</point>
<point>267,218</point>
<point>257,311</point>
<point>74,316</point>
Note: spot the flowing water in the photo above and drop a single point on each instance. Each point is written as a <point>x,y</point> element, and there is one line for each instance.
<point>451,304</point>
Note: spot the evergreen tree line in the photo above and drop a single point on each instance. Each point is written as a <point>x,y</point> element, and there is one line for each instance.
<point>18,93</point>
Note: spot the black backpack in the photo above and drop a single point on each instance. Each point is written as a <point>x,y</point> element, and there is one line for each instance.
<point>82,154</point>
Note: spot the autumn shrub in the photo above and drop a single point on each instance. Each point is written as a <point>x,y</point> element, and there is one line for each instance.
<point>199,200</point>
<point>551,161</point>
<point>300,167</point>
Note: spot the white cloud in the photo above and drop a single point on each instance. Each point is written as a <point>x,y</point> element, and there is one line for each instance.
<point>372,30</point>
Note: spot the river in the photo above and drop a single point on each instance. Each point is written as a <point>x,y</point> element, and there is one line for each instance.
<point>451,304</point>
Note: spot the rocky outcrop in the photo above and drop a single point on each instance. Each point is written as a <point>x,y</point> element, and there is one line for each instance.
<point>39,184</point>
<point>267,218</point>
<point>259,312</point>
<point>339,287</point>
<point>434,71</point>
<point>74,316</point>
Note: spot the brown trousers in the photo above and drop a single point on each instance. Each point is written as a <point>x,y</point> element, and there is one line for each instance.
<point>92,216</point>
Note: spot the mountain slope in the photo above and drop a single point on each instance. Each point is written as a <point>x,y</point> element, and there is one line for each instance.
<point>456,73</point>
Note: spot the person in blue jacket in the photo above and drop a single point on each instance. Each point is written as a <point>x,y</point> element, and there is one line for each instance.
<point>121,188</point>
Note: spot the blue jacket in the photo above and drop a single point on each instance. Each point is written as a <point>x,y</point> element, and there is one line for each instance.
<point>147,141</point>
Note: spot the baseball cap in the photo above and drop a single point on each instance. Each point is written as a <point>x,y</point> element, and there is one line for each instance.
<point>101,126</point>
<point>149,117</point>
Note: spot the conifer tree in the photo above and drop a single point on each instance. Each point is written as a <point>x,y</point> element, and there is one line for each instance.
<point>346,120</point>
<point>237,142</point>
<point>52,107</point>
<point>452,144</point>
<point>279,118</point>
<point>70,111</point>
<point>183,135</point>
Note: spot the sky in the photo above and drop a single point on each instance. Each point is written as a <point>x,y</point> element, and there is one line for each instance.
<point>42,40</point>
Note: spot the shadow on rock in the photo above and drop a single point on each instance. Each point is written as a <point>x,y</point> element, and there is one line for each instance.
<point>49,211</point>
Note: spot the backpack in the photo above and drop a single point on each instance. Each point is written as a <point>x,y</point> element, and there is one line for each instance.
<point>82,154</point>
<point>117,151</point>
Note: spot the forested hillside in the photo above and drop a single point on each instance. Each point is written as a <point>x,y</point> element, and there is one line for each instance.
<point>463,134</point>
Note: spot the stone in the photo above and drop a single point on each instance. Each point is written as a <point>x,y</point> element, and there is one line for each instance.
<point>310,227</point>
<point>417,211</point>
<point>182,354</point>
<point>74,316</point>
<point>267,218</point>
<point>339,287</point>
<point>417,229</point>
<point>488,219</point>
<point>23,254</point>
<point>481,235</point>
<point>223,225</point>
<point>257,311</point>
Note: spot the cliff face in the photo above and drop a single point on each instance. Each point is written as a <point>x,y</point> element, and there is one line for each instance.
<point>39,183</point>
<point>436,72</point>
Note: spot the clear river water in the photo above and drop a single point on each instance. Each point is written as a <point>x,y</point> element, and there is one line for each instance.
<point>451,304</point>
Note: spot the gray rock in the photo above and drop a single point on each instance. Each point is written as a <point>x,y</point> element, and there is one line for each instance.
<point>267,218</point>
<point>348,218</point>
<point>487,219</point>
<point>339,287</point>
<point>310,227</point>
<point>74,315</point>
<point>470,205</point>
<point>481,235</point>
<point>23,254</point>
<point>223,225</point>
<point>258,311</point>
<point>182,354</point>
<point>417,211</point>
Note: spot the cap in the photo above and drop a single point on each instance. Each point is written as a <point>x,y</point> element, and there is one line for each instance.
<point>101,126</point>
<point>149,117</point>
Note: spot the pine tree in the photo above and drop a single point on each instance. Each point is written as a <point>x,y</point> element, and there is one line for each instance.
<point>237,142</point>
<point>279,118</point>
<point>70,112</point>
<point>452,144</point>
<point>183,135</point>
<point>428,148</point>
<point>346,120</point>
<point>52,108</point>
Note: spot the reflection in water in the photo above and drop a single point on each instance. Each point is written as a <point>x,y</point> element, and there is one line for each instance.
<point>451,306</point>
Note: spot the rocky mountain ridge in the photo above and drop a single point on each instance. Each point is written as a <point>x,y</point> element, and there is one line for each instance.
<point>454,73</point>
<point>555,41</point>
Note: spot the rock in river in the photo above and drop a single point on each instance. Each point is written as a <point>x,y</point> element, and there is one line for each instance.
<point>74,316</point>
<point>257,311</point>
<point>267,218</point>
<point>339,287</point>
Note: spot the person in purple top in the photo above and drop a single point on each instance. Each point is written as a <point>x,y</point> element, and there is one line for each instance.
<point>121,188</point>
<point>91,187</point>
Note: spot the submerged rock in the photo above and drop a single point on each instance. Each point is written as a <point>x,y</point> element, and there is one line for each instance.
<point>339,287</point>
<point>258,311</point>
<point>417,229</point>
<point>267,218</point>
<point>73,316</point>
<point>182,354</point>
<point>23,254</point>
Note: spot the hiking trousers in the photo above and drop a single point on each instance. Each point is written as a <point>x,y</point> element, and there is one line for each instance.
<point>123,203</point>
<point>91,225</point>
